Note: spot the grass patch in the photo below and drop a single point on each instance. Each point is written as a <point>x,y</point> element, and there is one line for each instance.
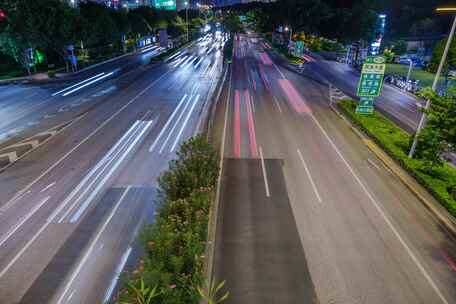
<point>424,77</point>
<point>440,182</point>
<point>283,51</point>
<point>171,271</point>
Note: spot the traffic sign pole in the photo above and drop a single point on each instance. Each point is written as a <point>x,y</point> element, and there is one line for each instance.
<point>370,84</point>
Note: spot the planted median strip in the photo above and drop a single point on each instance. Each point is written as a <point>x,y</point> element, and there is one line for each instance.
<point>172,269</point>
<point>440,181</point>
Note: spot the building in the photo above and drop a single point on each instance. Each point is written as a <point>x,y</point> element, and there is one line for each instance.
<point>380,27</point>
<point>129,4</point>
<point>232,2</point>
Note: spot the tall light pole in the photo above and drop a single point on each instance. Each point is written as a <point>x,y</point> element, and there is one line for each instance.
<point>409,70</point>
<point>436,78</point>
<point>186,17</point>
<point>291,34</point>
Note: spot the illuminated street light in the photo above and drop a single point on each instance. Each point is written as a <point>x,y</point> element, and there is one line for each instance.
<point>436,78</point>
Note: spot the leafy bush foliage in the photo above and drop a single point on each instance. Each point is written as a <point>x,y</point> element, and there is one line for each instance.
<point>440,181</point>
<point>175,243</point>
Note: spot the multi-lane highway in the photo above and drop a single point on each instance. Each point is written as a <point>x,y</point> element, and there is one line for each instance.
<point>71,209</point>
<point>308,214</point>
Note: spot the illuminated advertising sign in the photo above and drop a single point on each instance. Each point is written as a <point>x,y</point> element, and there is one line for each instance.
<point>166,4</point>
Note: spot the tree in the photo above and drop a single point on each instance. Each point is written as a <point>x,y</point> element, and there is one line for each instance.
<point>439,135</point>
<point>99,25</point>
<point>37,25</point>
<point>399,47</point>
<point>323,18</point>
<point>437,55</point>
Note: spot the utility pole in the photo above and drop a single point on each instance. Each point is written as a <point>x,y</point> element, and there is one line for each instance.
<point>409,70</point>
<point>186,18</point>
<point>434,84</point>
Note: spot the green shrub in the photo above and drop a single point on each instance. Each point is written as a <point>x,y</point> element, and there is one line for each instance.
<point>174,245</point>
<point>51,73</point>
<point>228,50</point>
<point>438,180</point>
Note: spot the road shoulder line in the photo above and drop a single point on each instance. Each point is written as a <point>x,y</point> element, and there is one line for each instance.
<point>400,173</point>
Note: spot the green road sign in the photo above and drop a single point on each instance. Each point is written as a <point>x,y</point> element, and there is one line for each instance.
<point>298,48</point>
<point>365,106</point>
<point>371,80</point>
<point>169,5</point>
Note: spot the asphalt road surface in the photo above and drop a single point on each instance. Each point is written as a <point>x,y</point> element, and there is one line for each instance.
<point>70,210</point>
<point>308,214</point>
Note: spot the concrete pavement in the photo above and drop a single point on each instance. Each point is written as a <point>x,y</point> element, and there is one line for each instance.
<point>364,237</point>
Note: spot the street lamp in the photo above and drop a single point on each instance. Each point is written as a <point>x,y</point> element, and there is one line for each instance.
<point>436,78</point>
<point>186,17</point>
<point>409,70</point>
<point>291,33</point>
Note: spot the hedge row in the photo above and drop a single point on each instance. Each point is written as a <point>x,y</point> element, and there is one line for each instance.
<point>171,270</point>
<point>282,50</point>
<point>439,181</point>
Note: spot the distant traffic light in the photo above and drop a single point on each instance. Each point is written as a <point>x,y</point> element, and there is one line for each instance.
<point>2,15</point>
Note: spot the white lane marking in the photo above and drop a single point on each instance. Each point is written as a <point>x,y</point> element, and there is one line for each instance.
<point>112,153</point>
<point>373,164</point>
<point>79,83</point>
<point>199,62</point>
<point>183,61</point>
<point>172,57</point>
<point>190,63</point>
<point>95,192</point>
<point>87,84</point>
<point>178,61</point>
<point>71,295</point>
<point>315,189</point>
<point>265,177</point>
<point>92,245</point>
<point>101,246</point>
<point>167,123</point>
<point>22,221</point>
<point>118,272</point>
<point>206,68</point>
<point>47,187</point>
<point>277,68</point>
<point>170,133</point>
<point>277,103</point>
<point>252,103</point>
<point>185,123</point>
<point>213,70</point>
<point>21,252</point>
<point>16,198</point>
<point>149,49</point>
<point>194,89</point>
<point>383,214</point>
<point>9,203</point>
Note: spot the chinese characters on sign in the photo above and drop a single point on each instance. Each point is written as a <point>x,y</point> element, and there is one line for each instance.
<point>370,83</point>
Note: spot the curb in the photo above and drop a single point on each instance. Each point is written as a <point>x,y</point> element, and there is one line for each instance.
<point>401,174</point>
<point>101,63</point>
<point>15,80</point>
<point>214,213</point>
